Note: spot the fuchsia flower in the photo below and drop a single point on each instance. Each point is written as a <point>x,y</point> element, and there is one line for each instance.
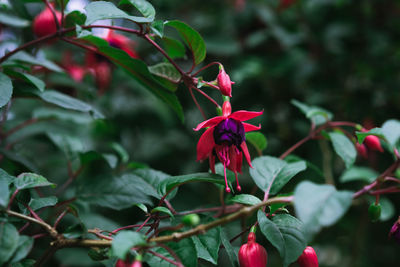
<point>308,258</point>
<point>252,254</point>
<point>395,231</point>
<point>225,138</point>
<point>121,42</point>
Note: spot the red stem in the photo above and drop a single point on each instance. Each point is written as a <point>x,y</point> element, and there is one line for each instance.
<point>197,103</point>
<point>53,12</point>
<point>59,218</point>
<point>143,224</point>
<point>392,189</point>
<point>128,227</point>
<point>205,67</point>
<point>208,97</point>
<point>12,198</point>
<point>164,258</point>
<point>20,126</point>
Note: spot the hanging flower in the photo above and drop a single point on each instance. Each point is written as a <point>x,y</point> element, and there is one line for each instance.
<point>225,139</point>
<point>75,71</point>
<point>252,254</point>
<point>121,42</point>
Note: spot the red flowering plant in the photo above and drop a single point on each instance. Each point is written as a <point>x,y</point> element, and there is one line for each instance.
<point>115,176</point>
<point>225,139</point>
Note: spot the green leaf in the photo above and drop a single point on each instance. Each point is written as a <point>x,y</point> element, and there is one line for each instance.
<point>124,241</point>
<point>121,151</point>
<point>320,205</point>
<point>5,176</point>
<point>229,249</point>
<point>258,140</point>
<point>174,48</point>
<point>74,18</point>
<point>391,131</point>
<point>25,244</point>
<point>246,199</point>
<point>27,58</point>
<point>100,10</point>
<point>149,181</point>
<point>13,21</point>
<point>139,71</point>
<point>157,28</point>
<point>8,241</point>
<point>174,181</point>
<point>31,180</point>
<point>77,230</point>
<point>316,114</point>
<point>192,39</point>
<point>62,115</point>
<point>207,245</point>
<point>375,131</point>
<point>143,6</point>
<point>68,102</point>
<point>359,174</point>
<point>186,251</point>
<point>273,173</point>
<point>167,71</point>
<point>4,191</point>
<point>285,232</point>
<point>38,203</point>
<point>344,148</point>
<point>6,88</point>
<point>142,207</point>
<point>39,84</point>
<point>163,210</point>
<point>115,192</point>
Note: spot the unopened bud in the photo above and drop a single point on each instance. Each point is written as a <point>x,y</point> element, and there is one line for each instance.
<point>308,258</point>
<point>252,254</point>
<point>373,143</point>
<point>224,83</point>
<point>374,212</point>
<point>44,23</point>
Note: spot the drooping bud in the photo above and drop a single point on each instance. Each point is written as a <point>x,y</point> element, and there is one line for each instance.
<point>374,212</point>
<point>44,23</point>
<point>224,83</point>
<point>121,263</point>
<point>373,143</point>
<point>308,258</point>
<point>395,231</point>
<point>362,150</point>
<point>252,254</point>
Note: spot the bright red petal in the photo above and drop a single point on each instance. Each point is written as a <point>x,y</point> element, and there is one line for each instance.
<point>212,162</point>
<point>250,127</point>
<point>232,159</point>
<point>205,144</point>
<point>246,153</point>
<point>243,115</point>
<point>239,161</point>
<point>209,123</point>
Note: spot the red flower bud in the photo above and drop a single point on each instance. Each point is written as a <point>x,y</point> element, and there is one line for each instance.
<point>362,150</point>
<point>395,231</point>
<point>44,23</point>
<point>373,143</point>
<point>308,258</point>
<point>252,254</point>
<point>226,109</point>
<point>136,263</point>
<point>224,83</point>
